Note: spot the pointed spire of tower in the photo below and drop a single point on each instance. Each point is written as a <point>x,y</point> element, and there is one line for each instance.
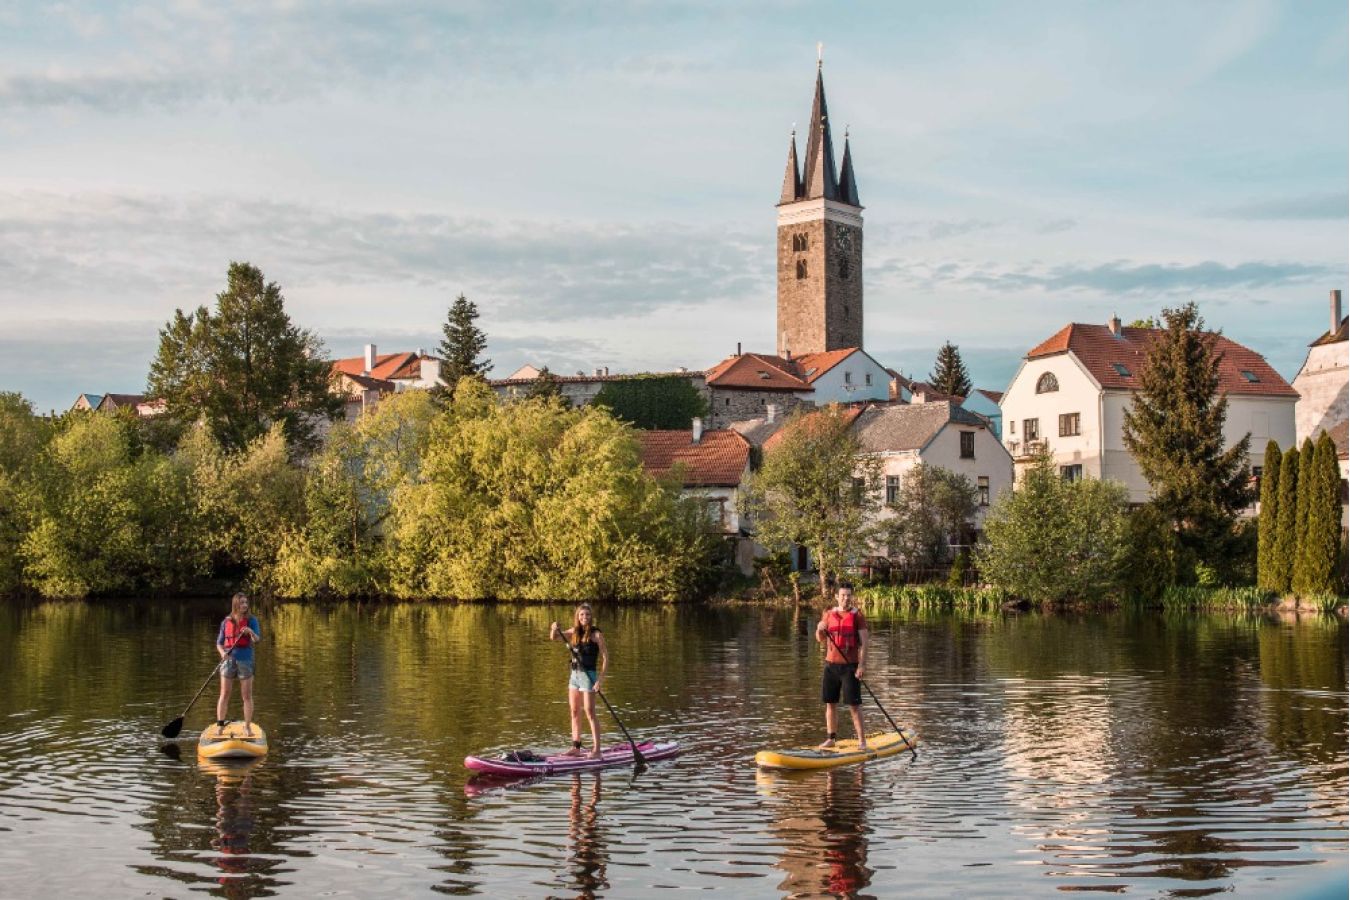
<point>848,183</point>
<point>792,179</point>
<point>819,179</point>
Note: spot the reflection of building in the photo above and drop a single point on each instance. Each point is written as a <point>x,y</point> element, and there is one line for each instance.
<point>821,823</point>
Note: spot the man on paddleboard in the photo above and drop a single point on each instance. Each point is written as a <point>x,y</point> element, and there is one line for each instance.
<point>843,631</point>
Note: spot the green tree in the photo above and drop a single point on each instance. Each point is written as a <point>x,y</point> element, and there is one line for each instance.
<point>1153,558</point>
<point>1055,540</point>
<point>1286,524</point>
<point>532,500</point>
<point>934,505</point>
<point>463,343</point>
<point>1300,577</point>
<point>23,437</point>
<point>815,490</point>
<point>1266,568</point>
<point>1174,430</point>
<point>653,401</point>
<point>1147,322</point>
<point>546,387</point>
<point>1318,552</point>
<point>243,366</point>
<point>949,372</point>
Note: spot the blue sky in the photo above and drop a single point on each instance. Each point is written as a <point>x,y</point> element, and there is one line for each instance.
<point>600,177</point>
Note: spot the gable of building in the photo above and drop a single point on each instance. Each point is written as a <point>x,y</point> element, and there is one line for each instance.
<point>719,458</point>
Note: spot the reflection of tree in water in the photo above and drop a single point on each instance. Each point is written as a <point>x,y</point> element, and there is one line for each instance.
<point>823,828</point>
<point>589,859</point>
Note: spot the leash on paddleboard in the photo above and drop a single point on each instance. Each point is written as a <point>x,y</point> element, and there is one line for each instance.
<point>171,730</point>
<point>898,730</point>
<point>638,761</point>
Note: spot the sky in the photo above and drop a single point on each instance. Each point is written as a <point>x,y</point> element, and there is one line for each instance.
<point>600,178</point>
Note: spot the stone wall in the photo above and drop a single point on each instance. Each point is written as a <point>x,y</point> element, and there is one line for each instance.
<point>824,309</point>
<point>727,405</point>
<point>1323,387</point>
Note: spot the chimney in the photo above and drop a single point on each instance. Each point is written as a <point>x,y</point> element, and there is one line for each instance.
<point>1335,311</point>
<point>738,348</point>
<point>599,372</point>
<point>420,353</point>
<point>771,412</point>
<point>606,370</point>
<point>787,354</point>
<point>370,358</point>
<point>698,429</point>
<point>1115,325</point>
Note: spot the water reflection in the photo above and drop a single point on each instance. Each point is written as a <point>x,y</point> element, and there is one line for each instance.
<point>234,823</point>
<point>820,820</point>
<point>588,857</point>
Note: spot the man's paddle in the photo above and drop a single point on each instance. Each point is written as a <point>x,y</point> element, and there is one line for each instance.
<point>898,730</point>
<point>171,730</point>
<point>638,762</point>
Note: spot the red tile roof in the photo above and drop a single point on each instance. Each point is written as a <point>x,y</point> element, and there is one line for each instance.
<point>756,371</point>
<point>719,459</point>
<point>807,420</point>
<point>1100,352</point>
<point>811,366</point>
<point>387,365</point>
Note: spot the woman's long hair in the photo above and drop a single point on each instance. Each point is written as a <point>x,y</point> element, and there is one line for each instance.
<point>237,601</point>
<point>582,632</point>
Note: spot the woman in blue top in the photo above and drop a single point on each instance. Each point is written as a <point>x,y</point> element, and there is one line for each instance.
<point>234,642</point>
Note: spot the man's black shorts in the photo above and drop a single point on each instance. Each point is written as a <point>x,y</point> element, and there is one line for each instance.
<point>841,677</point>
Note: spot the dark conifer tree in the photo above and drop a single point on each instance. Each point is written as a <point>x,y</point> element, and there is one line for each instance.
<point>1320,542</point>
<point>949,372</point>
<point>463,343</point>
<point>1286,524</point>
<point>1307,489</point>
<point>1175,432</point>
<point>1266,570</point>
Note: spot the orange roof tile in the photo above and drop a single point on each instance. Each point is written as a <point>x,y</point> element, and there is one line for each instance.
<point>850,414</point>
<point>1104,355</point>
<point>719,459</point>
<point>756,371</point>
<point>811,366</point>
<point>388,366</point>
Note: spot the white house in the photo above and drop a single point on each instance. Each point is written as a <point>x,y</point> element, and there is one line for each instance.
<point>1071,392</point>
<point>939,434</point>
<point>1324,380</point>
<point>745,385</point>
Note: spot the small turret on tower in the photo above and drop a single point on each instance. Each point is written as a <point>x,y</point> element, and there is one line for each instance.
<point>792,179</point>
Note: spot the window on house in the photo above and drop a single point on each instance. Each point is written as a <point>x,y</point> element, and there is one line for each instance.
<point>1071,473</point>
<point>892,489</point>
<point>1031,429</point>
<point>1068,425</point>
<point>982,484</point>
<point>801,269</point>
<point>1121,369</point>
<point>726,402</point>
<point>1012,426</point>
<point>867,379</point>
<point>717,512</point>
<point>848,378</point>
<point>967,445</point>
<point>859,488</point>
<point>1047,383</point>
<point>1250,376</point>
<point>843,268</point>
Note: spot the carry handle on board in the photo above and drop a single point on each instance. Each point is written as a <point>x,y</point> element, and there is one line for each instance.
<point>898,730</point>
<point>638,762</point>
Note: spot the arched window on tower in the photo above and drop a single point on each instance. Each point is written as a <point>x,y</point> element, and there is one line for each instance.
<point>843,268</point>
<point>1047,383</point>
<point>799,242</point>
<point>801,269</point>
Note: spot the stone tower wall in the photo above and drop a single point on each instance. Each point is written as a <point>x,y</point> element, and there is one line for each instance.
<point>823,310</point>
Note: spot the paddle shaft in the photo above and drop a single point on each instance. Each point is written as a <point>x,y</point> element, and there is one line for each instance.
<point>898,730</point>
<point>195,697</point>
<point>576,658</point>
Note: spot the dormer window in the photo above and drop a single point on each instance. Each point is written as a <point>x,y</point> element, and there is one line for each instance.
<point>1047,383</point>
<point>801,269</point>
<point>1121,369</point>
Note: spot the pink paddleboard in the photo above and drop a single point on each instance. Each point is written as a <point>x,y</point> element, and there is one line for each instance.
<point>525,763</point>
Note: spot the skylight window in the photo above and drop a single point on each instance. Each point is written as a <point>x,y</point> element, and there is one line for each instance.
<point>1249,376</point>
<point>1121,369</point>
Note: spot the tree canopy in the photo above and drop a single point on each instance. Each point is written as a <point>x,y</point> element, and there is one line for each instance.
<point>243,366</point>
<point>462,343</point>
<point>949,372</point>
<point>934,504</point>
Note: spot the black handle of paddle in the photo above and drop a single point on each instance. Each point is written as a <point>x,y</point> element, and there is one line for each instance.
<point>898,730</point>
<point>576,658</point>
<point>171,730</point>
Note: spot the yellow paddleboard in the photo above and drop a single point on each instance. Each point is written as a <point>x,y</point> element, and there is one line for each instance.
<point>230,742</point>
<point>843,753</point>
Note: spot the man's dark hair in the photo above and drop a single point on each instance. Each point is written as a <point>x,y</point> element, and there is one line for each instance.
<point>844,585</point>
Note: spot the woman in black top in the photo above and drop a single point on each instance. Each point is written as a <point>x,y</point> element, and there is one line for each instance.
<point>589,661</point>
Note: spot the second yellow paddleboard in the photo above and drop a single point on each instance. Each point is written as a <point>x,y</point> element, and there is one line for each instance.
<point>843,753</point>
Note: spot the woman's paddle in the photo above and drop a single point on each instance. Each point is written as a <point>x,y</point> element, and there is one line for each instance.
<point>898,730</point>
<point>171,730</point>
<point>638,762</point>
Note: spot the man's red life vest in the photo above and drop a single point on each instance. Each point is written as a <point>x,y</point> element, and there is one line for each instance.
<point>233,628</point>
<point>843,628</point>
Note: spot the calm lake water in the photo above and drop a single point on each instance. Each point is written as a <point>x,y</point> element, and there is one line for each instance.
<point>1145,755</point>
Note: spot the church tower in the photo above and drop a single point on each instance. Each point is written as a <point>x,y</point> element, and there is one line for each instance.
<point>820,294</point>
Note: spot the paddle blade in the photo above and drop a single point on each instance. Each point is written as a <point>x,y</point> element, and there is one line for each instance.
<point>171,730</point>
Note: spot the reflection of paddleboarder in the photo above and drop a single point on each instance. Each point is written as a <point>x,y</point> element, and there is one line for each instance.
<point>234,826</point>
<point>589,859</point>
<point>843,631</point>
